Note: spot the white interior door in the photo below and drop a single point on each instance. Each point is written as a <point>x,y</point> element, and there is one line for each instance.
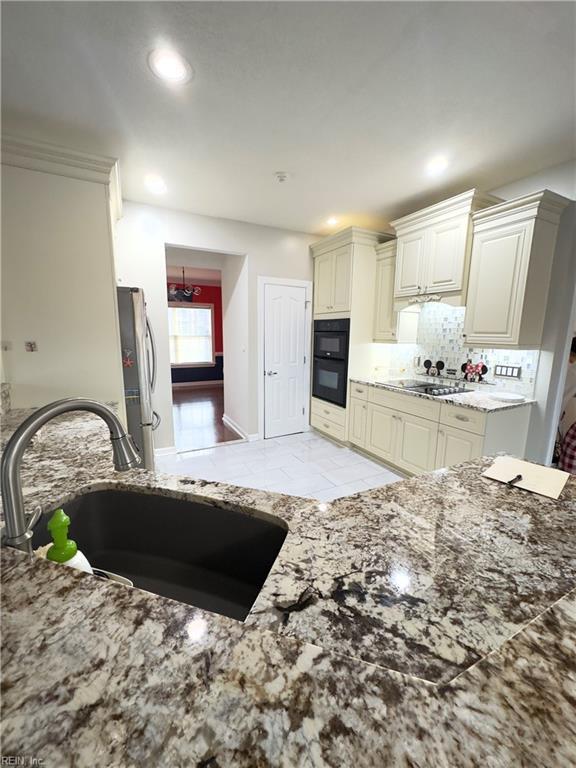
<point>284,366</point>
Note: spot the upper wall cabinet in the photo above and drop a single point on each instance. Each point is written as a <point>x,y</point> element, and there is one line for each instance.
<point>433,251</point>
<point>332,273</point>
<point>510,271</point>
<point>385,317</point>
<point>390,325</point>
<point>338,264</point>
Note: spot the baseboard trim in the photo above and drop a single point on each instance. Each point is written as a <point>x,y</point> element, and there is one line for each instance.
<point>194,384</point>
<point>236,427</point>
<point>252,438</point>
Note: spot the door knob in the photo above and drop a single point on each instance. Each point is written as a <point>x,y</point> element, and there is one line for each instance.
<point>271,373</point>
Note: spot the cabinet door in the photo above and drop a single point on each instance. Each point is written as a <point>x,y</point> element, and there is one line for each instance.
<point>410,264</point>
<point>384,316</point>
<point>446,255</point>
<point>381,431</point>
<point>342,259</point>
<point>498,274</point>
<point>323,283</point>
<point>358,418</point>
<point>457,445</point>
<point>416,443</point>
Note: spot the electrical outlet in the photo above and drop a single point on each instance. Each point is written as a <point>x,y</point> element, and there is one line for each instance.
<point>30,346</point>
<point>508,371</point>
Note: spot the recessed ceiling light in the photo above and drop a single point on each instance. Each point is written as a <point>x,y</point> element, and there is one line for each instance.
<point>170,66</point>
<point>155,184</point>
<point>437,165</point>
<point>332,221</point>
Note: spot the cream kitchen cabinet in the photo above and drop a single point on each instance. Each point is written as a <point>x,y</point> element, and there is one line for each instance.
<point>404,437</point>
<point>389,324</point>
<point>385,316</point>
<point>415,443</point>
<point>418,435</point>
<point>410,264</point>
<point>433,250</point>
<point>457,445</point>
<point>510,271</point>
<point>344,271</point>
<point>358,420</point>
<point>407,441</point>
<point>381,432</point>
<point>332,281</point>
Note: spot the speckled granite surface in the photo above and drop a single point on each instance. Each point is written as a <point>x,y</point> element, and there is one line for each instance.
<point>437,628</point>
<point>478,401</point>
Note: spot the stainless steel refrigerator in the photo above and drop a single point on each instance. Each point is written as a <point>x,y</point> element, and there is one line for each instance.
<point>139,369</point>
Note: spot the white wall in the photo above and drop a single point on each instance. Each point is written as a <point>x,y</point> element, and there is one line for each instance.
<point>559,178</point>
<point>58,289</point>
<point>251,250</point>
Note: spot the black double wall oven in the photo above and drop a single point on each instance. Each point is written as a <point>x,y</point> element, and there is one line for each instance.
<point>330,362</point>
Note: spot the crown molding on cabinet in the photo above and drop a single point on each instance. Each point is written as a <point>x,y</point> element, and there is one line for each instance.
<point>546,205</point>
<point>386,249</point>
<point>50,158</point>
<point>349,236</point>
<point>467,202</point>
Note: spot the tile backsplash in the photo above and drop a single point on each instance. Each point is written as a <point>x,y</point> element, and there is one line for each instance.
<point>440,329</point>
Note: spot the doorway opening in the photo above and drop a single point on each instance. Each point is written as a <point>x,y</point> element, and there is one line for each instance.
<point>196,344</point>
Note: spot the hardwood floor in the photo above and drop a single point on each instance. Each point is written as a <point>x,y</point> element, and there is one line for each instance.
<point>197,413</point>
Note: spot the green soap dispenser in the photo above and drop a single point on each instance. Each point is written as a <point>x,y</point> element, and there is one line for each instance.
<point>64,550</point>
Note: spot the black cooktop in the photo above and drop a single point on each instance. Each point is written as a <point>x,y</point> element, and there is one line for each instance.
<point>433,388</point>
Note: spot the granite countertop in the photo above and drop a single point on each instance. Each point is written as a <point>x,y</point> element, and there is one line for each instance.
<point>436,626</point>
<point>477,401</point>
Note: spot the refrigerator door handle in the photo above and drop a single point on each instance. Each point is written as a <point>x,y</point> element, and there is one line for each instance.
<point>151,356</point>
<point>156,419</point>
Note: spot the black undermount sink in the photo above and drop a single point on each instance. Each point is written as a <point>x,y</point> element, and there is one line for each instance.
<point>213,558</point>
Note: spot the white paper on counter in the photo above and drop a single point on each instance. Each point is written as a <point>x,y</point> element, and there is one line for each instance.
<point>535,478</point>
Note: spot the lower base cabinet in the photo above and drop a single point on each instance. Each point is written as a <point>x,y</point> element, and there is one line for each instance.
<point>456,445</point>
<point>358,422</point>
<point>418,435</point>
<point>416,443</point>
<point>381,432</point>
<point>407,441</point>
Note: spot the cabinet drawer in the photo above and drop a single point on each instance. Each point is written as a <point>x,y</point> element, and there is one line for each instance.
<point>327,411</point>
<point>463,418</point>
<point>328,427</point>
<point>416,406</point>
<point>359,391</point>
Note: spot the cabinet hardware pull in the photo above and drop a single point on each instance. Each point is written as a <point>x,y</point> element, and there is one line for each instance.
<point>359,390</point>
<point>327,413</point>
<point>327,426</point>
<point>440,431</point>
<point>462,418</point>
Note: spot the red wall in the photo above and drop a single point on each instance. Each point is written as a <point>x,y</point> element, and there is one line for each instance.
<point>211,294</point>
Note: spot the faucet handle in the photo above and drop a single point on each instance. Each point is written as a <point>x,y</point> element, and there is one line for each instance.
<point>33,517</point>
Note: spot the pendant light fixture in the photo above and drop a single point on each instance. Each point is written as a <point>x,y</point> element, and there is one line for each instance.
<point>187,288</point>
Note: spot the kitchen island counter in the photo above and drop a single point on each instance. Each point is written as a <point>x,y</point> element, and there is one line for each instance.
<point>431,622</point>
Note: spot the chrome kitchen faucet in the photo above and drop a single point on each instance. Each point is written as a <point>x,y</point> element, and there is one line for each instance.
<point>19,524</point>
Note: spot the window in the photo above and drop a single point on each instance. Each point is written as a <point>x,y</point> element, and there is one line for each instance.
<point>191,332</point>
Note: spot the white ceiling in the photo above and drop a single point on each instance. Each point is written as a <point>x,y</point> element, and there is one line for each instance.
<point>351,99</point>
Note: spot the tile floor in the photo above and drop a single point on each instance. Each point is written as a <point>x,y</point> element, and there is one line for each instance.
<point>306,464</point>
